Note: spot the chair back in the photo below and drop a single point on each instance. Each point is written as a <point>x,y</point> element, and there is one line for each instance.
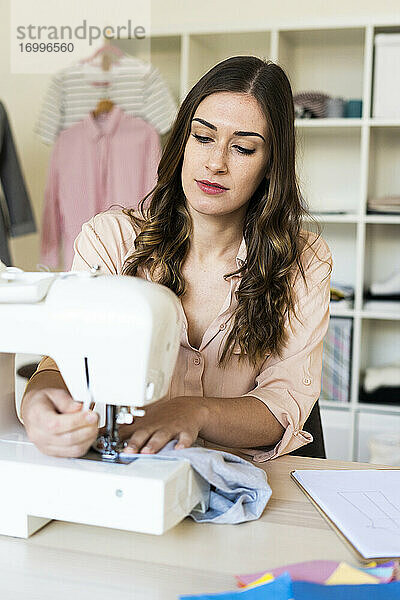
<point>316,449</point>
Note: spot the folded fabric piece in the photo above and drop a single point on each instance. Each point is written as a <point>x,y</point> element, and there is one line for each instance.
<point>310,104</point>
<point>303,590</point>
<point>325,572</point>
<point>384,573</point>
<point>386,376</point>
<point>283,589</point>
<point>235,491</point>
<point>340,291</point>
<point>388,287</point>
<point>263,579</point>
<point>316,571</point>
<point>386,204</point>
<point>346,574</point>
<point>279,589</point>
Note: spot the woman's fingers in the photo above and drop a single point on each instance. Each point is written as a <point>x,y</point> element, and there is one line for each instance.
<point>185,440</point>
<point>79,436</point>
<point>146,442</point>
<point>157,441</point>
<point>137,440</point>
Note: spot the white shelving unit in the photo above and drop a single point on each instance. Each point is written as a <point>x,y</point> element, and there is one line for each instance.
<point>341,162</point>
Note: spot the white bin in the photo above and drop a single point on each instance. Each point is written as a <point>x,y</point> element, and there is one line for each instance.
<point>386,92</point>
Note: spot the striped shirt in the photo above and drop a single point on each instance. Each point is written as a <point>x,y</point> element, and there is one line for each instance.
<point>133,84</point>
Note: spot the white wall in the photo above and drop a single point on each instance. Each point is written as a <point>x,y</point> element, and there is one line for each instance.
<point>22,94</point>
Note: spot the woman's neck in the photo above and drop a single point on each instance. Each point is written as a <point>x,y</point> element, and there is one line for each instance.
<point>215,238</point>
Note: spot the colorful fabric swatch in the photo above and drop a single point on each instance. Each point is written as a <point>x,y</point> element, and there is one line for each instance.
<point>303,590</point>
<point>278,589</point>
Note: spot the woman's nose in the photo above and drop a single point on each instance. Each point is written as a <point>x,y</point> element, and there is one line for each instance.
<point>216,160</point>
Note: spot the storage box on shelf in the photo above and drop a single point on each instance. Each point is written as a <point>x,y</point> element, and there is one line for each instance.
<point>342,162</point>
<point>386,88</point>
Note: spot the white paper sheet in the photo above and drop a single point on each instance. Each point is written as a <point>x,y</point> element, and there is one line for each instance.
<point>363,504</point>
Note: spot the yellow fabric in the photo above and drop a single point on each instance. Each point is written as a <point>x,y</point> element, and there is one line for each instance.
<point>263,579</point>
<point>345,574</point>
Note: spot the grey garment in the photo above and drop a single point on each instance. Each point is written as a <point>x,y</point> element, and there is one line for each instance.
<point>234,490</point>
<point>16,216</point>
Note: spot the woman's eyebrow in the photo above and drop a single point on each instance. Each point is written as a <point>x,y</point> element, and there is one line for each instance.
<point>241,133</point>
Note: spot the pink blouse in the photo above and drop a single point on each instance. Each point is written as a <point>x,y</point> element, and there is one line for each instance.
<point>289,386</point>
<point>95,164</point>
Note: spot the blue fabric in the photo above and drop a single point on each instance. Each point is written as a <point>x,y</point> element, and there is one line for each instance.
<point>235,491</point>
<point>279,589</point>
<point>303,590</point>
<point>282,588</point>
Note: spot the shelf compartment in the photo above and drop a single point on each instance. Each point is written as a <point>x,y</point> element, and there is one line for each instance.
<point>382,252</point>
<point>305,55</point>
<point>384,159</point>
<point>341,239</point>
<point>380,343</point>
<point>328,164</point>
<point>206,50</point>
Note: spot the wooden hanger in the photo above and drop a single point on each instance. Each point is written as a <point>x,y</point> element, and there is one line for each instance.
<point>108,52</point>
<point>105,105</point>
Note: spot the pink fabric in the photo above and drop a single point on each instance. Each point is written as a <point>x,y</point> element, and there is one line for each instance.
<point>288,386</point>
<point>95,164</point>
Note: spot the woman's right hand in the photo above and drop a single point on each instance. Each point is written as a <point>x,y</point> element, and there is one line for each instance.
<point>56,424</point>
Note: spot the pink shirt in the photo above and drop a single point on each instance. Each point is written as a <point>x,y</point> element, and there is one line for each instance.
<point>289,386</point>
<point>95,164</point>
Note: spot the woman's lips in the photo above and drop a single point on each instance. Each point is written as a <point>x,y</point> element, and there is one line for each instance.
<point>210,189</point>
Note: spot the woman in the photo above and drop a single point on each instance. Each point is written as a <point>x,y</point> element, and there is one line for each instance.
<point>223,231</point>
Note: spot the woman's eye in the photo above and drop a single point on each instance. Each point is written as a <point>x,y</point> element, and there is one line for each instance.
<point>244,150</point>
<point>201,138</point>
<point>204,140</point>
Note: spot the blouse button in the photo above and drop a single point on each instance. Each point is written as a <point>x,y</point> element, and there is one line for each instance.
<point>196,360</point>
<point>222,326</point>
<point>307,381</point>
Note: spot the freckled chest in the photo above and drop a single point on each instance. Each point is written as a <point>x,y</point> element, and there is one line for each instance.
<point>206,293</point>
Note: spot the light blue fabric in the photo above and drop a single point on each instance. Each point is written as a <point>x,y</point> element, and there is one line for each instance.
<point>235,491</point>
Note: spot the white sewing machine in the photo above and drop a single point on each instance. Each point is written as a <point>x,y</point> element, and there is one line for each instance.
<point>115,340</point>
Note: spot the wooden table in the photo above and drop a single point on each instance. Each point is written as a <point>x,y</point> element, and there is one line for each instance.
<point>78,562</point>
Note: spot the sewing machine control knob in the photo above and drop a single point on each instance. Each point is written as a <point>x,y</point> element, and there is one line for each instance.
<point>124,416</point>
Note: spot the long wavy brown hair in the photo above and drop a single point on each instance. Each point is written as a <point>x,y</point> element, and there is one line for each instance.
<point>272,225</point>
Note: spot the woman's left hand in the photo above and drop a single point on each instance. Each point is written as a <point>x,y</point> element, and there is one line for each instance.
<point>180,418</point>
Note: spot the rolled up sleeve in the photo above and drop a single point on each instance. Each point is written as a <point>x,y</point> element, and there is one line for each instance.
<point>290,385</point>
